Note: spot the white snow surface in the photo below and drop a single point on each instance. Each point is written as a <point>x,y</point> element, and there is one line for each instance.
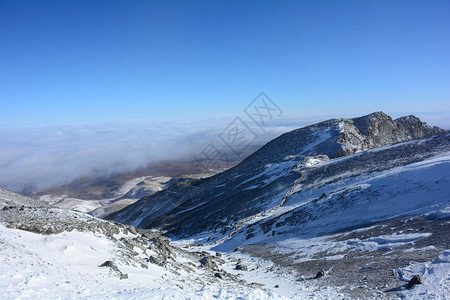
<point>435,275</point>
<point>308,248</point>
<point>66,266</point>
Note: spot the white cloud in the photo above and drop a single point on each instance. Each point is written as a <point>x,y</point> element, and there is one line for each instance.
<point>34,159</point>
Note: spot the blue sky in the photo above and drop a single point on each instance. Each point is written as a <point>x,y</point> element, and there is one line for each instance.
<point>70,62</point>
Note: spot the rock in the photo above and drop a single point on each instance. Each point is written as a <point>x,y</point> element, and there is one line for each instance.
<point>155,260</point>
<point>127,243</point>
<point>209,262</point>
<point>218,254</point>
<point>265,227</point>
<point>114,268</point>
<point>241,267</point>
<point>416,279</point>
<point>277,286</point>
<point>111,265</point>
<point>112,238</point>
<point>132,229</point>
<point>321,273</point>
<point>249,236</point>
<point>163,246</point>
<point>218,275</point>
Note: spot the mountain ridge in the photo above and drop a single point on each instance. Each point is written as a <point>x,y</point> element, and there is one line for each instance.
<point>230,195</point>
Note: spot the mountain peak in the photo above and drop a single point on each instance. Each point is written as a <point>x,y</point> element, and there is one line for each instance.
<point>328,139</point>
<point>377,115</point>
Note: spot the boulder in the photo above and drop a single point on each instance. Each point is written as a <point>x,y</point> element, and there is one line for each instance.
<point>321,273</point>
<point>155,260</point>
<point>208,262</point>
<point>416,279</point>
<point>132,229</point>
<point>241,267</point>
<point>113,267</point>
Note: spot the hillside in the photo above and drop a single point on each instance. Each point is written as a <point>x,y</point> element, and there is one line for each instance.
<point>49,252</point>
<point>262,180</point>
<point>364,199</point>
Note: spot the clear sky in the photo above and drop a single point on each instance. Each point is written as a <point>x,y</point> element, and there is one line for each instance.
<point>95,61</point>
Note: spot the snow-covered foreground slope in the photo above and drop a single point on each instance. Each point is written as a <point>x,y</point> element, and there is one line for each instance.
<point>51,253</point>
<point>66,266</point>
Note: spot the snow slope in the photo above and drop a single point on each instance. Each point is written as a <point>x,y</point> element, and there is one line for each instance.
<point>66,266</point>
<point>51,253</point>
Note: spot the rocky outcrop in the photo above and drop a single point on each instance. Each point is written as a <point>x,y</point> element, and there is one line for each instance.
<point>11,199</point>
<point>321,273</point>
<point>339,137</point>
<point>114,269</point>
<point>416,279</point>
<point>241,267</point>
<point>379,129</point>
<point>209,262</point>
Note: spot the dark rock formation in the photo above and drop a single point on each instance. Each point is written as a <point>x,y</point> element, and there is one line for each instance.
<point>416,279</point>
<point>321,273</point>
<point>114,268</point>
<point>241,267</point>
<point>209,262</point>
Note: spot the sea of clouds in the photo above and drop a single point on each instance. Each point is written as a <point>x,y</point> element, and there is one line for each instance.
<point>34,159</point>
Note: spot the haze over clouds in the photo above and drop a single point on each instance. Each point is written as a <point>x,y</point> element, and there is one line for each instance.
<point>34,159</point>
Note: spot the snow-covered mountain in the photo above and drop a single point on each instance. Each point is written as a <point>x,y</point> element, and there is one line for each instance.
<point>262,180</point>
<point>365,199</point>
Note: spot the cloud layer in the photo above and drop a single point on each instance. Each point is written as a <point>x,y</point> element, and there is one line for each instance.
<point>34,159</point>
<point>38,158</point>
